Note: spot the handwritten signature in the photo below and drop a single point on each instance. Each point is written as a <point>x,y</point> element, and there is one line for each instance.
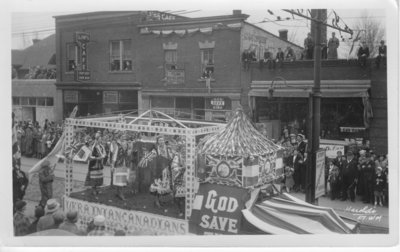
<point>365,214</point>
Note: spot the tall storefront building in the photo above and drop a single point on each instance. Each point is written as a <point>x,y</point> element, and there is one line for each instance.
<point>189,68</point>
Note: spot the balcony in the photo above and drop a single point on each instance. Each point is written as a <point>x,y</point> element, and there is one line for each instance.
<point>304,70</point>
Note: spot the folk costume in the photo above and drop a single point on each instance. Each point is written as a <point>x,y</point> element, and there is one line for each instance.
<point>95,176</point>
<point>119,165</point>
<point>178,183</point>
<point>146,167</point>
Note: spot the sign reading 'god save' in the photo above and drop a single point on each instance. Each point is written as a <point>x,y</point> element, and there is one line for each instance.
<point>217,209</point>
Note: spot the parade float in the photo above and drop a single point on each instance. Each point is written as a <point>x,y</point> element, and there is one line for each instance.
<point>239,170</point>
<point>136,214</point>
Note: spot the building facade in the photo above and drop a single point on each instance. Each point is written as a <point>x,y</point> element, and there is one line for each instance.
<point>33,100</point>
<point>187,67</point>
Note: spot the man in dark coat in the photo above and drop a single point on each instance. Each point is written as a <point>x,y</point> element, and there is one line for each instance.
<point>280,57</point>
<point>333,45</point>
<point>381,54</point>
<point>349,175</point>
<point>46,177</point>
<point>301,145</point>
<point>20,182</point>
<point>309,46</point>
<point>368,172</point>
<point>363,54</point>
<point>296,161</point>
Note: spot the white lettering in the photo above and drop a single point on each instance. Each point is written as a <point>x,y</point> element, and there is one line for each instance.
<point>232,226</point>
<point>204,221</point>
<point>232,205</point>
<point>222,203</point>
<point>210,203</point>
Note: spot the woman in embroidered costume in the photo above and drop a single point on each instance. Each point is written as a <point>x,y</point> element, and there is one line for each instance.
<point>119,166</point>
<point>95,174</point>
<point>178,183</point>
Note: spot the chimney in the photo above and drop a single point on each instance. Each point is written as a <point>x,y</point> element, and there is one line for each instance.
<point>283,34</point>
<point>237,12</point>
<point>35,41</point>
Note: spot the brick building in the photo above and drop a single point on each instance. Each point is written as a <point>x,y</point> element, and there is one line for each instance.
<point>186,67</point>
<point>279,98</point>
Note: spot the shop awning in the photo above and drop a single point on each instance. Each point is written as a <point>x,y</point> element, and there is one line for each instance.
<point>302,88</point>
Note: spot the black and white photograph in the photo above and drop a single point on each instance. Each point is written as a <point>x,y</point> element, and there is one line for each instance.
<point>207,123</point>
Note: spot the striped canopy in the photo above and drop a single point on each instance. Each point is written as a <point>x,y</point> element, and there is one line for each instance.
<point>239,138</point>
<point>285,214</point>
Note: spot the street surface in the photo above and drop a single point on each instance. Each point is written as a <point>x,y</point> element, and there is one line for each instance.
<point>372,219</point>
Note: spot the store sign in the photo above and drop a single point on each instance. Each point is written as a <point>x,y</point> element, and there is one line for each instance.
<point>332,149</point>
<point>82,38</point>
<point>320,174</point>
<point>121,219</point>
<point>110,97</point>
<point>217,209</point>
<point>175,77</point>
<point>71,96</point>
<point>159,16</point>
<point>218,103</point>
<point>82,75</point>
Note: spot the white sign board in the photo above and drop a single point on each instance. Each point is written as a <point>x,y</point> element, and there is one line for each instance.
<point>332,149</point>
<point>320,174</point>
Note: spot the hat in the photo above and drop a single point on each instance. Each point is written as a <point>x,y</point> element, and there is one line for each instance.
<point>100,221</point>
<point>46,163</point>
<point>301,135</point>
<point>379,168</point>
<point>292,135</point>
<point>58,217</point>
<point>39,211</point>
<point>52,206</point>
<point>72,216</point>
<point>362,152</point>
<point>19,205</point>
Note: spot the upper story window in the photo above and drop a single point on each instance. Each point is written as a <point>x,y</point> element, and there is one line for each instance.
<point>72,57</point>
<point>120,55</point>
<point>207,62</point>
<point>171,59</point>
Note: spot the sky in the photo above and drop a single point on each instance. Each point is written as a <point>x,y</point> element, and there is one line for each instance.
<point>26,26</point>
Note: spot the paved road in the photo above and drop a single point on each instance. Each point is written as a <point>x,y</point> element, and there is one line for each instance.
<point>373,219</point>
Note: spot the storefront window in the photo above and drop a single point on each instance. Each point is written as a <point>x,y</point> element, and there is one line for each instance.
<point>41,101</point>
<point>183,107</point>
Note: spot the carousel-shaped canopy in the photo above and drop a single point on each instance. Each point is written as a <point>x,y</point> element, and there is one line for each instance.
<point>238,155</point>
<point>239,138</point>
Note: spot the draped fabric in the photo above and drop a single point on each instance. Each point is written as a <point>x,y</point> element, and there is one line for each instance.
<point>285,214</point>
<point>368,114</point>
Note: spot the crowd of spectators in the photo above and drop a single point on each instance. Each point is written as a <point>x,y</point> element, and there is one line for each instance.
<point>37,141</point>
<point>52,218</point>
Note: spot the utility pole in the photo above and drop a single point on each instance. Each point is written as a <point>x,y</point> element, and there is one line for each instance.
<point>315,113</point>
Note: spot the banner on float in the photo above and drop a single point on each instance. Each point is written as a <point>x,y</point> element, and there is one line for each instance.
<point>132,222</point>
<point>217,209</point>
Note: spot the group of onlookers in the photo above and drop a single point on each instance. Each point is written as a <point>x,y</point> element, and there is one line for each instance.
<point>328,51</point>
<point>51,217</point>
<point>364,174</point>
<point>37,141</point>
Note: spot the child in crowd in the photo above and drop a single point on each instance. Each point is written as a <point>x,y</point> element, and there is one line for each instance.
<point>380,181</point>
<point>334,181</point>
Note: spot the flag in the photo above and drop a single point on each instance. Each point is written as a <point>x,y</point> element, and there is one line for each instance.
<point>56,153</point>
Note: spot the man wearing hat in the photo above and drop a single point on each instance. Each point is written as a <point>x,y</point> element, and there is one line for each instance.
<point>21,221</point>
<point>99,227</point>
<point>47,221</point>
<point>301,145</point>
<point>367,172</point>
<point>69,223</point>
<point>46,177</point>
<point>363,54</point>
<point>349,175</point>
